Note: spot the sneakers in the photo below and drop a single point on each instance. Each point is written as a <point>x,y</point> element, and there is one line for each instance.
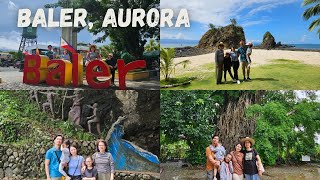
<point>238,82</point>
<point>215,178</point>
<point>248,79</point>
<point>234,80</point>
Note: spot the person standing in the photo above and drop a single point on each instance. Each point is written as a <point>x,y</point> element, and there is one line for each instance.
<point>227,66</point>
<point>235,64</point>
<point>226,168</point>
<point>76,163</point>
<point>242,52</point>
<point>49,53</point>
<point>237,162</point>
<point>250,160</point>
<point>52,159</point>
<point>103,161</point>
<point>219,57</point>
<point>92,54</point>
<point>55,53</point>
<point>112,63</point>
<point>65,55</point>
<point>248,56</point>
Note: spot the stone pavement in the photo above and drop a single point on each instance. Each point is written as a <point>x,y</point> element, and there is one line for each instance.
<point>12,80</point>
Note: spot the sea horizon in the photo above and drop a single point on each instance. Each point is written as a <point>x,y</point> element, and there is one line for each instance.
<point>178,43</point>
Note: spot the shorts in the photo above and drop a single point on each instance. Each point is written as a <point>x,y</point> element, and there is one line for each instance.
<point>209,175</point>
<point>252,177</point>
<point>244,64</point>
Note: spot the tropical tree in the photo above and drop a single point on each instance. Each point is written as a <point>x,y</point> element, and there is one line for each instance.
<point>152,46</point>
<point>167,65</point>
<point>233,21</point>
<point>212,26</point>
<point>312,11</point>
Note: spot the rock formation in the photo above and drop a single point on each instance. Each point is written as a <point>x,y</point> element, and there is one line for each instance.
<point>268,41</point>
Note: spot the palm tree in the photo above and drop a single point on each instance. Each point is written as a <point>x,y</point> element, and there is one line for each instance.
<point>211,26</point>
<point>167,64</point>
<point>152,46</point>
<point>312,11</point>
<point>233,22</point>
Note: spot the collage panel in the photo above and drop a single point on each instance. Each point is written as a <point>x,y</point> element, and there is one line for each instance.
<point>242,45</point>
<point>231,134</point>
<point>118,130</point>
<point>77,44</point>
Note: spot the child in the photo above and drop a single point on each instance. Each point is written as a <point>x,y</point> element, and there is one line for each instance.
<point>90,173</point>
<point>227,66</point>
<point>65,157</point>
<point>235,64</point>
<point>248,54</point>
<point>226,168</point>
<point>219,153</point>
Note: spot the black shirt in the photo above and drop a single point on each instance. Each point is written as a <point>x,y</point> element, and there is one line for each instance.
<point>112,62</point>
<point>249,162</point>
<point>227,63</point>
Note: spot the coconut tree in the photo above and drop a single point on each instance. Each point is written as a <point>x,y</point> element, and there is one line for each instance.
<point>233,22</point>
<point>212,26</point>
<point>312,11</point>
<point>152,46</point>
<point>167,65</point>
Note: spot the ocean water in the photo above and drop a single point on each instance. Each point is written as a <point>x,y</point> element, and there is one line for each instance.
<point>175,43</point>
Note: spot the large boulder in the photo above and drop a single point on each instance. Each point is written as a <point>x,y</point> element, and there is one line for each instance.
<point>230,35</point>
<point>268,41</point>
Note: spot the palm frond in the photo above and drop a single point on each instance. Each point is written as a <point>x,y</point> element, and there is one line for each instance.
<point>308,2</point>
<point>314,24</point>
<point>312,11</point>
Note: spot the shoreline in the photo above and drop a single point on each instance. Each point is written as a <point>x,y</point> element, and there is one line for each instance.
<point>189,51</point>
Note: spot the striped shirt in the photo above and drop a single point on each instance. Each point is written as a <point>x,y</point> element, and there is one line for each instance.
<point>104,162</point>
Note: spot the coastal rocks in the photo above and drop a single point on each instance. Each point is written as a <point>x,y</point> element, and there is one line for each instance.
<point>190,51</point>
<point>268,41</point>
<point>230,35</point>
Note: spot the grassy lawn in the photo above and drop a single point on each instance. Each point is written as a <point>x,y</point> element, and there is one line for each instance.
<point>281,74</point>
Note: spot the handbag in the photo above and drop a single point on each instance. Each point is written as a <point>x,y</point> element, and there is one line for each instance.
<point>76,177</point>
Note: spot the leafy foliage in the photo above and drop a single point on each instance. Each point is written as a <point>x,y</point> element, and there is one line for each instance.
<point>312,11</point>
<point>152,46</point>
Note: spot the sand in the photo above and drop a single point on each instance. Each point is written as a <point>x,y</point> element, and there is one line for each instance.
<point>259,57</point>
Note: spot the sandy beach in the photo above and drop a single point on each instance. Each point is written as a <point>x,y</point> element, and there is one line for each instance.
<point>259,57</point>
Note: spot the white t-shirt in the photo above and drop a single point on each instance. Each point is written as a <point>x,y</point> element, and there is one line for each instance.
<point>249,51</point>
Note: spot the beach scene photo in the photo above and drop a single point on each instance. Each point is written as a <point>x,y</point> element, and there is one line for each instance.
<point>242,45</point>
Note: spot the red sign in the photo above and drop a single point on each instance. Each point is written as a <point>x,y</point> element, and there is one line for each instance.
<point>39,69</point>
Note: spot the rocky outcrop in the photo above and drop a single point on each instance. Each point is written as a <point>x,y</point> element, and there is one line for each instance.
<point>268,41</point>
<point>230,35</point>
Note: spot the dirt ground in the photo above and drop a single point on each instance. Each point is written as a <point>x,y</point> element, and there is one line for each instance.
<point>171,171</point>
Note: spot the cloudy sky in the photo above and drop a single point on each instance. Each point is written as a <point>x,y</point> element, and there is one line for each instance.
<point>282,18</point>
<point>10,35</point>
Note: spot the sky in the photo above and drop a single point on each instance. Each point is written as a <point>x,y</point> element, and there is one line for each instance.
<point>10,34</point>
<point>282,18</point>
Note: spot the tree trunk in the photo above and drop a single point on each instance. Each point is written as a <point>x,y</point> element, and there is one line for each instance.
<point>232,124</point>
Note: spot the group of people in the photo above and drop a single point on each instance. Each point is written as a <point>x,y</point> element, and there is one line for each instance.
<point>93,54</point>
<point>62,160</point>
<point>224,62</point>
<point>242,163</point>
<point>54,54</point>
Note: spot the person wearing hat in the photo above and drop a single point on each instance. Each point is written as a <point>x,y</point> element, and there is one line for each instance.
<point>248,56</point>
<point>219,58</point>
<point>92,54</point>
<point>112,63</point>
<point>251,160</point>
<point>49,53</point>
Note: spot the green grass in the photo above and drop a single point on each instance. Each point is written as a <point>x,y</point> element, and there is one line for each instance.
<point>281,74</point>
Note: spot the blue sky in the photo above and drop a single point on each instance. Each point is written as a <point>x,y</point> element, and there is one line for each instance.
<point>282,18</point>
<point>10,35</point>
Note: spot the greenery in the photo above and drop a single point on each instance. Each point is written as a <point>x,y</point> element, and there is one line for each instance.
<point>22,122</point>
<point>312,11</point>
<point>152,46</point>
<point>285,124</point>
<point>281,74</point>
<point>167,65</point>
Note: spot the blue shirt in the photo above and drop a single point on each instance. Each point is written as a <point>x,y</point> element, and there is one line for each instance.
<point>54,162</point>
<point>75,166</point>
<point>243,53</point>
